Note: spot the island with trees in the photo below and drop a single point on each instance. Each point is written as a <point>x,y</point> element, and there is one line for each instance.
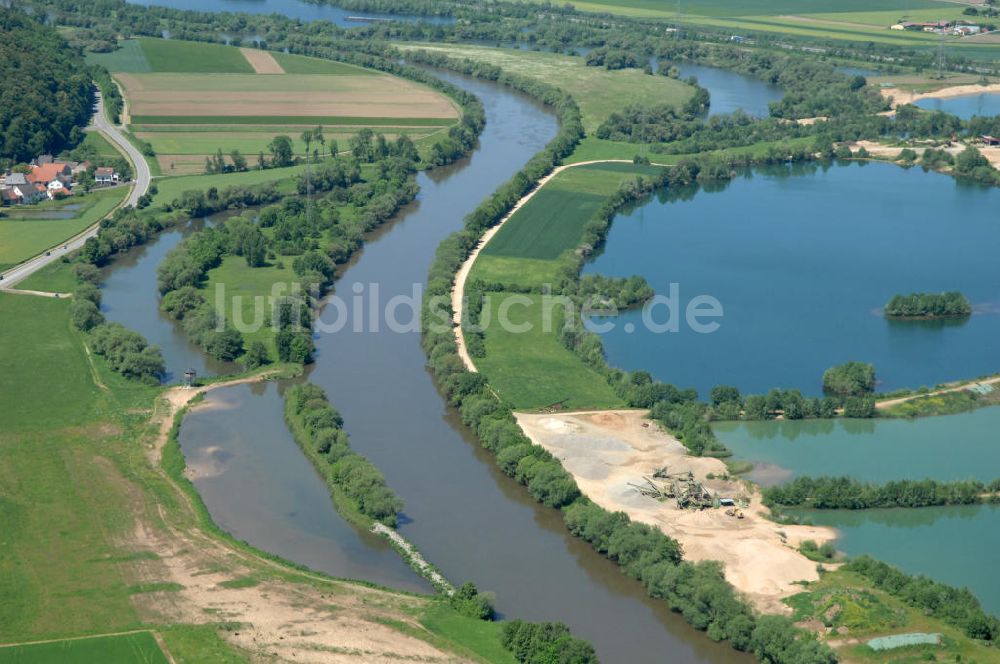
<point>929,305</point>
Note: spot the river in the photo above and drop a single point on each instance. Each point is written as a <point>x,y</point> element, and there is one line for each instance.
<point>292,8</point>
<point>465,516</point>
<point>801,260</point>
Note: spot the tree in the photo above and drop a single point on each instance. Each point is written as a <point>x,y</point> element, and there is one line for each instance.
<point>225,345</point>
<point>281,151</point>
<point>239,161</point>
<point>307,138</point>
<point>85,314</point>
<point>849,379</point>
<point>256,355</point>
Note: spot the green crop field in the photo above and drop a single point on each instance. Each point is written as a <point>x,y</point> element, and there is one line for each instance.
<point>129,57</point>
<point>136,648</point>
<point>300,64</point>
<point>170,55</point>
<point>599,92</point>
<point>531,369</point>
<point>26,232</point>
<point>525,251</point>
<point>170,188</point>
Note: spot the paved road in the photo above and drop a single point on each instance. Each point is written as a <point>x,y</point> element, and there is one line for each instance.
<point>142,181</point>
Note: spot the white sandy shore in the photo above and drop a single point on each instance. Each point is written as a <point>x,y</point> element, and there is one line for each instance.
<point>900,96</point>
<point>607,450</point>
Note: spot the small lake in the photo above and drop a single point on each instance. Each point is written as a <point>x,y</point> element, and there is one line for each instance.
<point>288,513</point>
<point>955,447</point>
<point>290,8</point>
<point>730,91</point>
<point>954,545</point>
<point>966,106</point>
<point>802,259</point>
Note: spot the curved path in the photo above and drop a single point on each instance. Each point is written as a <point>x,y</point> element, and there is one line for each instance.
<point>143,177</point>
<point>458,288</point>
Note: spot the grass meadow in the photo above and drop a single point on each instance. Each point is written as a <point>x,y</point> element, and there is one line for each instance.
<point>533,369</point>
<point>599,92</point>
<point>135,648</point>
<point>27,232</point>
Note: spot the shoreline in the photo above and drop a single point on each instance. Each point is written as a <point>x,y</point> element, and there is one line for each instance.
<point>606,451</point>
<point>899,96</point>
<point>458,285</point>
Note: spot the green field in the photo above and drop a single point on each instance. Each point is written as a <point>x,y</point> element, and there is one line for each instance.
<point>532,369</point>
<point>129,57</point>
<point>23,234</point>
<point>56,277</point>
<point>101,145</point>
<point>136,648</point>
<point>300,64</point>
<point>170,188</point>
<point>169,55</point>
<point>599,92</point>
<point>254,287</point>
<point>526,249</point>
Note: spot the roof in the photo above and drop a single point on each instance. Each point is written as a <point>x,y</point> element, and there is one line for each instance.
<point>16,178</point>
<point>47,173</point>
<point>104,170</point>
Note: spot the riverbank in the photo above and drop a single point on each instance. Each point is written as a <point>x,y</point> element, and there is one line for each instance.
<point>607,451</point>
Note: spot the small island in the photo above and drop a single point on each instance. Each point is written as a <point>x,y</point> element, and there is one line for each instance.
<point>929,305</point>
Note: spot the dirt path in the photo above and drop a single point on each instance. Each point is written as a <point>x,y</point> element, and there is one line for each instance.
<point>458,287</point>
<point>888,403</point>
<point>273,612</point>
<point>605,451</point>
<point>262,61</point>
<point>37,293</point>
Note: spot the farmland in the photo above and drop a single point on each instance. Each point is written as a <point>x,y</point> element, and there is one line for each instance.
<point>532,369</point>
<point>599,92</point>
<point>852,20</point>
<point>525,251</point>
<point>189,100</point>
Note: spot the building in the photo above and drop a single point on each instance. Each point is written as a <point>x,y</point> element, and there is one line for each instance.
<point>105,175</point>
<point>51,172</point>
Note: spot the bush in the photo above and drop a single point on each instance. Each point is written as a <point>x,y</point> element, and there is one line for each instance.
<point>468,601</point>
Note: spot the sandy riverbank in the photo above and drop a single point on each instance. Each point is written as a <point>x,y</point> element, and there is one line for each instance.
<point>283,617</point>
<point>606,450</point>
<point>900,96</point>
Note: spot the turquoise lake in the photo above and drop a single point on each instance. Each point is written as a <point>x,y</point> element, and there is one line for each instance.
<point>802,259</point>
<point>984,104</point>
<point>954,545</point>
<point>955,447</point>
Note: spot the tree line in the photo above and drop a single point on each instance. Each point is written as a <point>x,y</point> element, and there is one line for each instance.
<point>319,428</point>
<point>852,494</point>
<point>127,352</point>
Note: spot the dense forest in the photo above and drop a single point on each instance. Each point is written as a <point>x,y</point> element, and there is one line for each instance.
<point>929,305</point>
<point>47,94</point>
<point>851,494</point>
